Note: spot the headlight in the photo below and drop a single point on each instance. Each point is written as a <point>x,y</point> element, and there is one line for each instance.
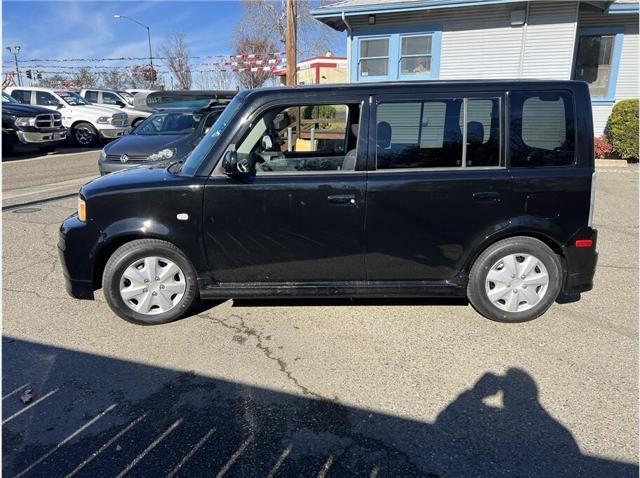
<point>162,155</point>
<point>82,209</point>
<point>104,120</point>
<point>103,155</point>
<point>25,122</point>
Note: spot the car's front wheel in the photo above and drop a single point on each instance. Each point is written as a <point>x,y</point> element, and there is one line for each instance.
<point>149,282</point>
<point>84,134</point>
<point>515,280</point>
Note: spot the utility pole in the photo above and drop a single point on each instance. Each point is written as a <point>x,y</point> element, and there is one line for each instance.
<point>15,51</point>
<point>291,43</point>
<point>152,80</point>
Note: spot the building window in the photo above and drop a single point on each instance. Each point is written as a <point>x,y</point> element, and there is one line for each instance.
<point>415,55</point>
<point>374,57</point>
<point>597,58</point>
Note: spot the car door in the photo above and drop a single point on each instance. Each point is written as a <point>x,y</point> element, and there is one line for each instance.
<point>438,184</point>
<point>301,218</point>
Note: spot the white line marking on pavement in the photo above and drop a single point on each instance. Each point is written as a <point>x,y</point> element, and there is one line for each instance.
<point>20,412</point>
<point>326,467</point>
<point>33,190</point>
<point>192,452</point>
<point>106,445</point>
<point>283,456</point>
<point>66,440</point>
<point>49,156</point>
<point>153,444</point>
<point>15,391</point>
<point>235,457</point>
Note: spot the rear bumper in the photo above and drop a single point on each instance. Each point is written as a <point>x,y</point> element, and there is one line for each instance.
<point>580,262</point>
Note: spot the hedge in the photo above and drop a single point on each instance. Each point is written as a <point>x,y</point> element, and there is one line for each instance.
<point>622,128</point>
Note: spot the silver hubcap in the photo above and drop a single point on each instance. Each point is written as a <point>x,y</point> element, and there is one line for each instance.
<point>152,285</point>
<point>83,135</point>
<point>517,282</point>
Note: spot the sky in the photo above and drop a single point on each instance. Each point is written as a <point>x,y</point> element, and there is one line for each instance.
<point>84,29</point>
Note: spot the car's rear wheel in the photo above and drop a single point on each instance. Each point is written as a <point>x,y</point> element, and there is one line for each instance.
<point>84,134</point>
<point>515,280</point>
<point>149,282</point>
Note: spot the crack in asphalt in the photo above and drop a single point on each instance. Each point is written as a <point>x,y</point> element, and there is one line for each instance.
<point>268,352</point>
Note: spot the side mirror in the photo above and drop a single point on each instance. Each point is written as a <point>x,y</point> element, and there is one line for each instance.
<point>233,166</point>
<point>59,106</point>
<point>266,143</point>
<point>121,104</point>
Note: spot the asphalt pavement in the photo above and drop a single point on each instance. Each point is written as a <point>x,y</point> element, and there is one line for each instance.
<point>324,388</point>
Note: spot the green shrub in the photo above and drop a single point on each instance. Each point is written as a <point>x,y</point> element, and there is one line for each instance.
<point>319,112</point>
<point>622,128</point>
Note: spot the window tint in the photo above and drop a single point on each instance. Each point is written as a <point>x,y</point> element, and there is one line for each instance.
<point>542,129</point>
<point>483,132</point>
<point>303,138</point>
<point>415,55</point>
<point>593,62</point>
<point>374,57</point>
<point>23,96</point>
<point>110,98</point>
<point>46,99</point>
<point>91,96</point>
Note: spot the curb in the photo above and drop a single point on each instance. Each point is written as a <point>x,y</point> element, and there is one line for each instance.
<point>611,163</point>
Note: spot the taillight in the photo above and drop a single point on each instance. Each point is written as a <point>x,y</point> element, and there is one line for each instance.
<point>593,199</point>
<point>584,243</point>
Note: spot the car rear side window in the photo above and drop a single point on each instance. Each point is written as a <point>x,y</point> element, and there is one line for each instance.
<point>23,96</point>
<point>431,133</point>
<point>542,129</point>
<point>91,96</point>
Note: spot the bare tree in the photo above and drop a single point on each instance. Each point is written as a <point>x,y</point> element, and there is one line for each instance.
<point>176,53</point>
<point>84,78</point>
<point>253,79</point>
<point>54,81</point>
<point>115,79</point>
<point>267,20</point>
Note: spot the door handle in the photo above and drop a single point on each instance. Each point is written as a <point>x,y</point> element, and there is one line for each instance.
<point>346,199</point>
<point>487,196</point>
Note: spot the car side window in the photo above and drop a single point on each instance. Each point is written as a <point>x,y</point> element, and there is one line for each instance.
<point>303,138</point>
<point>23,96</point>
<point>542,129</point>
<point>91,96</point>
<point>110,99</point>
<point>438,133</point>
<point>46,99</point>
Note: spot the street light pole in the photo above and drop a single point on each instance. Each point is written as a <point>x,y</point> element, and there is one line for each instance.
<point>148,38</point>
<point>16,49</point>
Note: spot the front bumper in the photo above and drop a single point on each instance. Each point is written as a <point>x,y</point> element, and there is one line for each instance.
<point>42,137</point>
<point>77,246</point>
<point>114,132</point>
<point>107,167</point>
<point>580,263</point>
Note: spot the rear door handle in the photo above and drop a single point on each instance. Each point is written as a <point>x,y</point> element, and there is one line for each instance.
<point>346,199</point>
<point>487,196</point>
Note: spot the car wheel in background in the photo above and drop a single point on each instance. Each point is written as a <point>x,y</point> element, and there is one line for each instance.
<point>84,134</point>
<point>149,282</point>
<point>515,280</point>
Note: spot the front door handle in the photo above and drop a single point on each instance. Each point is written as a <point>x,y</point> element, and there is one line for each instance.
<point>487,196</point>
<point>346,199</point>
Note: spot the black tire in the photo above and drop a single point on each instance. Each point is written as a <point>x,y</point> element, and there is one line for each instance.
<point>8,145</point>
<point>84,134</point>
<point>127,254</point>
<point>476,291</point>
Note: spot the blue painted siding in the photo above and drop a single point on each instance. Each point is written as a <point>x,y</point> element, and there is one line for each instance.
<point>395,35</point>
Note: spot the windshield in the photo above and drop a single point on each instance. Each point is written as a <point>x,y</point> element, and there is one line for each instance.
<point>128,97</point>
<point>71,98</point>
<point>196,156</point>
<point>7,99</point>
<point>169,123</point>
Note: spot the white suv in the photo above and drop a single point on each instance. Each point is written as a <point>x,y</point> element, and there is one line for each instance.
<point>86,122</point>
<point>116,99</point>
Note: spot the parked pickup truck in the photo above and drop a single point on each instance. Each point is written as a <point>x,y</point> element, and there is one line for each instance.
<point>86,122</point>
<point>116,99</point>
<point>30,125</point>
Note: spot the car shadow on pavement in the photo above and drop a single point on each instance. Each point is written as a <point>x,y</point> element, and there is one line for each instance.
<point>99,416</point>
<point>334,302</point>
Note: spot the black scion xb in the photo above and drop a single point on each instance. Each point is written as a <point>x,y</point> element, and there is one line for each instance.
<point>478,189</point>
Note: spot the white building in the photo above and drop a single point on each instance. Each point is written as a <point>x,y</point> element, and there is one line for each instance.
<point>594,41</point>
